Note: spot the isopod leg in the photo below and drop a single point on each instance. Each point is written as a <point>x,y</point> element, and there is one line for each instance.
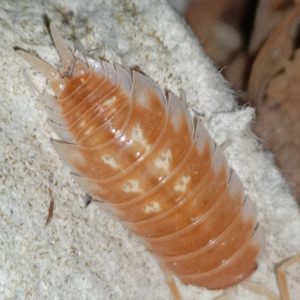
<point>228,294</point>
<point>282,276</point>
<point>260,289</point>
<point>174,290</point>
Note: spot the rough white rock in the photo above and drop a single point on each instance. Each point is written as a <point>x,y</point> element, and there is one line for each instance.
<point>84,253</point>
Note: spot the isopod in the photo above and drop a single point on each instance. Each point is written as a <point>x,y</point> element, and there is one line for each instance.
<point>139,151</point>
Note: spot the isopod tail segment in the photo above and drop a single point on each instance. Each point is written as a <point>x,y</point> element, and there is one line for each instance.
<point>138,150</point>
<point>69,64</point>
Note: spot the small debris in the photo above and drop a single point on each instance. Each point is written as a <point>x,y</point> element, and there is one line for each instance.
<point>50,208</point>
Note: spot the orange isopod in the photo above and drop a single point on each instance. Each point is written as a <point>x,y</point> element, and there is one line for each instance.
<point>153,166</point>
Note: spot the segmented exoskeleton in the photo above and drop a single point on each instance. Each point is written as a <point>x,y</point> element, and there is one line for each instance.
<point>153,166</point>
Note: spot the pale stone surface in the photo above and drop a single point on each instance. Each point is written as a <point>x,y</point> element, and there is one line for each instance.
<point>84,253</point>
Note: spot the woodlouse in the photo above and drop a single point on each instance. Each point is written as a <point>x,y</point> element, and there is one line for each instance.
<point>153,166</point>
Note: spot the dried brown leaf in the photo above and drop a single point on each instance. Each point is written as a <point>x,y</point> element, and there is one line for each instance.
<point>269,13</point>
<point>273,85</point>
<point>278,120</point>
<point>216,23</point>
<point>274,54</point>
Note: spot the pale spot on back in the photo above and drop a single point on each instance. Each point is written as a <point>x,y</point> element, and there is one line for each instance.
<point>81,124</point>
<point>137,135</point>
<point>152,207</point>
<point>132,186</point>
<point>109,160</point>
<point>163,160</point>
<point>182,184</point>
<point>88,131</point>
<point>108,102</point>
